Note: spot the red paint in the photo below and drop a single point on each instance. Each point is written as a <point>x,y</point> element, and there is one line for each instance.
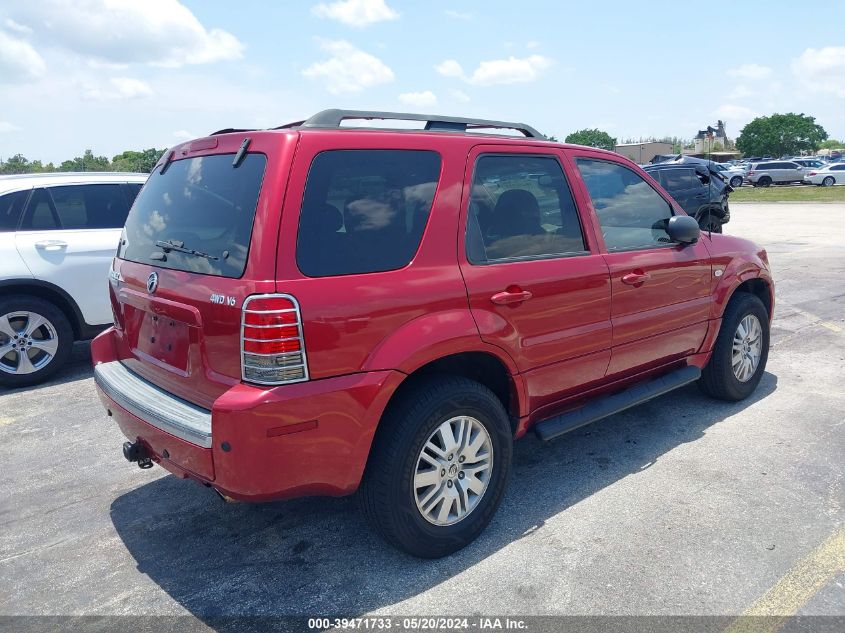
<point>565,329</point>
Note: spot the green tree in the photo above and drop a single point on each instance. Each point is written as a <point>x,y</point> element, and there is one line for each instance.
<point>592,138</point>
<point>780,134</point>
<point>86,162</point>
<point>831,143</point>
<point>142,161</point>
<point>17,164</point>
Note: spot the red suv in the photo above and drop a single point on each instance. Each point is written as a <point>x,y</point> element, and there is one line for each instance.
<point>318,309</point>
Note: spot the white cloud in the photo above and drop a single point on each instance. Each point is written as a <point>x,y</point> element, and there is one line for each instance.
<point>736,115</point>
<point>120,88</point>
<point>358,13</point>
<point>6,127</point>
<point>11,25</point>
<point>349,69</point>
<point>822,70</point>
<point>750,71</point>
<point>498,71</point>
<point>740,92</point>
<point>19,61</point>
<point>532,44</point>
<point>509,71</point>
<point>183,135</point>
<point>424,99</point>
<point>450,68</point>
<point>459,15</point>
<point>157,32</point>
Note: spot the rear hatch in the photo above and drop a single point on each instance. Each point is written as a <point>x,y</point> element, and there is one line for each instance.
<point>200,238</point>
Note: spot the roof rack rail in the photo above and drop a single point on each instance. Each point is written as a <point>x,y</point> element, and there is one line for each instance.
<point>334,118</point>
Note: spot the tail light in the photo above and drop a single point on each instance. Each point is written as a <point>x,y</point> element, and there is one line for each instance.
<point>750,173</point>
<point>812,173</point>
<point>272,344</point>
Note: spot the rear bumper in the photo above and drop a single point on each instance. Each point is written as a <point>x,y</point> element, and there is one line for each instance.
<point>255,444</point>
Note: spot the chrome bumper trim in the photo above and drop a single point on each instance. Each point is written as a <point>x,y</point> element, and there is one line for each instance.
<point>154,405</point>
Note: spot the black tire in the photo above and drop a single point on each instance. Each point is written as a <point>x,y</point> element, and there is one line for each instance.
<point>736,182</point>
<point>387,494</point>
<point>828,181</point>
<point>717,378</point>
<point>63,332</point>
<point>765,181</point>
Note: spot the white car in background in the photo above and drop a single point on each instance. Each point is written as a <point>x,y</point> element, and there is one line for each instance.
<point>832,174</point>
<point>732,173</point>
<point>58,235</point>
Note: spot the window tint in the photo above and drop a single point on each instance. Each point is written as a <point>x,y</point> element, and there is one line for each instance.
<point>521,207</point>
<point>365,211</point>
<point>132,189</point>
<point>11,206</point>
<point>631,213</point>
<point>90,206</point>
<point>838,168</point>
<point>204,204</point>
<point>677,179</point>
<point>40,215</point>
<point>76,207</point>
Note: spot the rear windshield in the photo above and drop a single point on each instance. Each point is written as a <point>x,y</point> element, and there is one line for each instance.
<point>201,204</point>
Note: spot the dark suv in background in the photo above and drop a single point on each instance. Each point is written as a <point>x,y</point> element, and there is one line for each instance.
<point>698,188</point>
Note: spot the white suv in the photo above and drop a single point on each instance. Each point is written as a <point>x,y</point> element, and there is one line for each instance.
<point>58,234</point>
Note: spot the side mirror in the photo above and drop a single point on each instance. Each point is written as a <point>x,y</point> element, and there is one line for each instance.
<point>683,229</point>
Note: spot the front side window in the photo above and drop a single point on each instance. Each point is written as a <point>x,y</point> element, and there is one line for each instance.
<point>632,214</point>
<point>521,208</point>
<point>365,211</point>
<point>202,204</point>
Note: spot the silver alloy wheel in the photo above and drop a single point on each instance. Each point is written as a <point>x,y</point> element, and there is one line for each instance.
<point>28,342</point>
<point>747,348</point>
<point>453,470</point>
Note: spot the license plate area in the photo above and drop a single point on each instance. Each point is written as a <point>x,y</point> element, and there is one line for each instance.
<point>164,339</point>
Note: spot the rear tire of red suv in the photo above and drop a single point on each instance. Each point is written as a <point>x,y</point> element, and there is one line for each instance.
<point>438,467</point>
<point>35,340</point>
<point>741,350</point>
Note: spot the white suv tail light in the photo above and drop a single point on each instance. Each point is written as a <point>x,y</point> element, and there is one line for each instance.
<point>272,344</point>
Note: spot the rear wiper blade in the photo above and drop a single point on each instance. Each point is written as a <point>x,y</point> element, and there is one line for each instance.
<point>179,247</point>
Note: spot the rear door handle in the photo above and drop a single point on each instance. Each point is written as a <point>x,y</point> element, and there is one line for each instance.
<point>635,279</point>
<point>50,245</point>
<point>507,297</point>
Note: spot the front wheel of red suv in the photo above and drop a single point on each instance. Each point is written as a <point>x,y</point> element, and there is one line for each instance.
<point>438,467</point>
<point>741,350</point>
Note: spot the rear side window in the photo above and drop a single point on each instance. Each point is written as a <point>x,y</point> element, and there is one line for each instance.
<point>11,206</point>
<point>678,179</point>
<point>632,214</point>
<point>90,206</point>
<point>76,207</point>
<point>365,211</point>
<point>201,204</point>
<point>521,208</point>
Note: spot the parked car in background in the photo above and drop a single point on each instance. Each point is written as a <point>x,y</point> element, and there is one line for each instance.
<point>827,176</point>
<point>58,234</point>
<point>778,172</point>
<point>809,163</point>
<point>700,190</point>
<point>734,174</point>
<point>401,305</point>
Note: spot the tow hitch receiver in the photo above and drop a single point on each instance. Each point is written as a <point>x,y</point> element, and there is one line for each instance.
<point>136,452</point>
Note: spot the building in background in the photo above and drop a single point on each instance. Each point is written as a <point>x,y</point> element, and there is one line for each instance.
<point>642,153</point>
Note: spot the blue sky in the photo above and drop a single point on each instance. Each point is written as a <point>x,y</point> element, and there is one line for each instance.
<point>118,74</point>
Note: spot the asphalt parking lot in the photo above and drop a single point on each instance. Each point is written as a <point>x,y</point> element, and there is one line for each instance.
<point>680,506</point>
